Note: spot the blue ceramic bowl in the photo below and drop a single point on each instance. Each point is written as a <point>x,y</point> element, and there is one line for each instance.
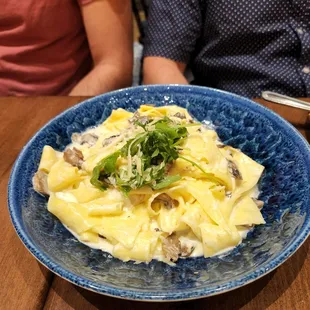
<point>257,131</point>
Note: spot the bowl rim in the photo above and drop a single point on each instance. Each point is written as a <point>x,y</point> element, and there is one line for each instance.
<point>174,295</point>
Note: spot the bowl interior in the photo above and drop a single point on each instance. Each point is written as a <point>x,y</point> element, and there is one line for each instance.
<point>255,130</point>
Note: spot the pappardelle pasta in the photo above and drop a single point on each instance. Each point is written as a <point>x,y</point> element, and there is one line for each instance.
<point>154,184</point>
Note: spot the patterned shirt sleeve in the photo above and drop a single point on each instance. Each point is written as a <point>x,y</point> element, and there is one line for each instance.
<point>173,29</point>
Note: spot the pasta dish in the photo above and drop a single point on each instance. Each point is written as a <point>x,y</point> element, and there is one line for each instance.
<point>154,184</point>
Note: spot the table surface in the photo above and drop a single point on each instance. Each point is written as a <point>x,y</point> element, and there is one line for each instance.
<point>26,284</point>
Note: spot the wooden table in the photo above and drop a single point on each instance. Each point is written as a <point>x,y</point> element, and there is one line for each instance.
<point>26,284</point>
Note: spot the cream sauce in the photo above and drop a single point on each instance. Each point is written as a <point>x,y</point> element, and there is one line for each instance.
<point>105,246</point>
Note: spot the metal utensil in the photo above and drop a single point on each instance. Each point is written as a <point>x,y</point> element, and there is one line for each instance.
<point>286,100</point>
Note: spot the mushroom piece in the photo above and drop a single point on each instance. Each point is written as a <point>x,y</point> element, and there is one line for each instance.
<point>180,115</point>
<point>171,248</point>
<point>134,118</point>
<point>233,170</point>
<point>259,203</point>
<point>109,140</point>
<point>39,182</point>
<point>187,251</point>
<point>143,120</point>
<point>74,157</point>
<point>76,137</point>
<point>138,118</point>
<point>88,138</point>
<point>166,201</point>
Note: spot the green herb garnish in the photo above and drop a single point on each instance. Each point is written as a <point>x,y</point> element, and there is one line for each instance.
<point>148,156</point>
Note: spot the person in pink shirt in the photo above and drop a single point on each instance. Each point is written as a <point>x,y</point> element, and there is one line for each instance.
<point>65,47</point>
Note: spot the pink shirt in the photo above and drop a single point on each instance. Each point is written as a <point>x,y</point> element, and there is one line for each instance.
<point>43,47</point>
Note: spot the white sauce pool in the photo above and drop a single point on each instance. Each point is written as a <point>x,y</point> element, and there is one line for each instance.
<point>106,246</point>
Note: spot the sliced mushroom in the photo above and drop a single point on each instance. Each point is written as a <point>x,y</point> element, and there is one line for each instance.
<point>187,251</point>
<point>143,120</point>
<point>39,182</point>
<point>134,118</point>
<point>180,115</point>
<point>74,157</point>
<point>172,247</point>
<point>109,140</point>
<point>76,137</point>
<point>166,201</point>
<point>233,170</point>
<point>259,203</point>
<point>88,138</point>
<point>138,118</point>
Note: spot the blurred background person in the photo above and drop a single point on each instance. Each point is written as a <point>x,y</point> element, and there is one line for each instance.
<point>61,47</point>
<point>244,46</point>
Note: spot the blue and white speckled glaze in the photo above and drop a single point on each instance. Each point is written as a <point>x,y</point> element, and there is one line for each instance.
<point>257,131</point>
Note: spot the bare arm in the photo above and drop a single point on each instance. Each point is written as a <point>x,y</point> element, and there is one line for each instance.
<point>108,25</point>
<point>159,70</point>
